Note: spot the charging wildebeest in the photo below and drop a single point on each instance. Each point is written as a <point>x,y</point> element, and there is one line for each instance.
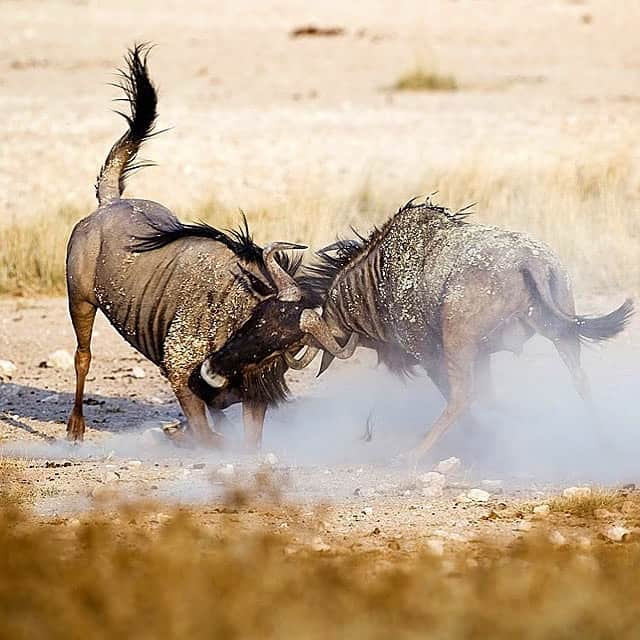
<point>428,288</point>
<point>176,292</point>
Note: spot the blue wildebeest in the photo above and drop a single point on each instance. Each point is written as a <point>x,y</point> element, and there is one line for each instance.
<point>429,288</point>
<point>177,292</point>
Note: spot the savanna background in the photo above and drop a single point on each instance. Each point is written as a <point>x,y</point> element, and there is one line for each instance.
<point>311,118</point>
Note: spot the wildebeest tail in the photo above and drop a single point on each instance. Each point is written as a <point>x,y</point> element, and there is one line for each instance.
<point>588,328</point>
<point>141,95</point>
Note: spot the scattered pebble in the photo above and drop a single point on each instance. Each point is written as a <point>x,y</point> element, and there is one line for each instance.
<point>111,476</point>
<point>435,547</point>
<point>478,495</point>
<point>577,492</point>
<point>617,533</point>
<point>318,544</point>
<point>134,463</point>
<point>7,369</point>
<point>60,359</point>
<point>138,372</point>
<point>541,510</point>
<point>367,511</point>
<point>450,465</point>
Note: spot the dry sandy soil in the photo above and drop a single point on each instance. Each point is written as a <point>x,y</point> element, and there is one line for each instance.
<point>259,116</point>
<point>340,489</point>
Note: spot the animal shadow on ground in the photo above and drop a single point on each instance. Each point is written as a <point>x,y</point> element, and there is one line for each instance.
<point>19,403</point>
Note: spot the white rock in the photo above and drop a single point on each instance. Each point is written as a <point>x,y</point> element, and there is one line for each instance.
<point>435,547</point>
<point>7,369</point>
<point>450,465</point>
<point>577,492</point>
<point>132,464</point>
<point>51,398</point>
<point>226,471</point>
<point>478,495</point>
<point>137,372</point>
<point>271,458</point>
<point>60,359</point>
<point>617,533</point>
<point>556,538</point>
<point>541,510</point>
<point>367,511</point>
<point>318,544</point>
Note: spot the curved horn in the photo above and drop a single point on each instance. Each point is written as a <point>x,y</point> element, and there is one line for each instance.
<point>288,290</point>
<point>213,379</point>
<point>314,325</point>
<point>304,361</point>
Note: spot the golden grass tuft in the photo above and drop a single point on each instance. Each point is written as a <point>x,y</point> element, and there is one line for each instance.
<point>599,500</point>
<point>128,574</point>
<point>421,79</point>
<point>585,209</point>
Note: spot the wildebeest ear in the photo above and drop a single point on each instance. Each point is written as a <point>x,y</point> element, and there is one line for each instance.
<point>327,359</point>
<point>251,283</point>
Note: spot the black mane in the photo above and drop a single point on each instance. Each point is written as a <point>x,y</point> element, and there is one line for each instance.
<point>240,241</point>
<point>318,276</point>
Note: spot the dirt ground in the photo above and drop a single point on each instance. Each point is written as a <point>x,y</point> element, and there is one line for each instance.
<point>322,499</point>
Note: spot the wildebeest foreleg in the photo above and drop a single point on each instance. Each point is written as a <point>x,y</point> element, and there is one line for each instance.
<point>82,316</point>
<point>459,367</point>
<point>197,428</point>
<point>253,417</point>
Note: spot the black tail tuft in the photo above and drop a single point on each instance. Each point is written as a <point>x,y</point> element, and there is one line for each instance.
<point>141,96</point>
<point>599,328</point>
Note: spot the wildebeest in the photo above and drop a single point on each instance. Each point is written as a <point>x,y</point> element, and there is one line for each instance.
<point>175,291</point>
<point>429,288</point>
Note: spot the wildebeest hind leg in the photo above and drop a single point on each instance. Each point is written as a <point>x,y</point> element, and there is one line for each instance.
<point>83,315</point>
<point>568,346</point>
<point>197,429</point>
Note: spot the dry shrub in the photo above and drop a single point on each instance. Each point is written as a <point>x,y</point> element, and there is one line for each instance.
<point>120,576</point>
<point>421,79</point>
<point>585,209</point>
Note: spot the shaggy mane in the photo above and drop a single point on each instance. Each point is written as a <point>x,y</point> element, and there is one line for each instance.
<point>320,275</point>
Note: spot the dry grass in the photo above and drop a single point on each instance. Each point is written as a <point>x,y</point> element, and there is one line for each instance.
<point>585,209</point>
<point>421,79</point>
<point>130,575</point>
<point>615,502</point>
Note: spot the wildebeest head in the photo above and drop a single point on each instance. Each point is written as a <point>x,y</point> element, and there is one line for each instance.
<point>279,328</point>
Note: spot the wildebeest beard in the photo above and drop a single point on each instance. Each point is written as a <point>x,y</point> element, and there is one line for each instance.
<point>251,360</point>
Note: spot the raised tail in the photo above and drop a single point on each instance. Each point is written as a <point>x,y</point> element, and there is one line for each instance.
<point>587,328</point>
<point>141,95</point>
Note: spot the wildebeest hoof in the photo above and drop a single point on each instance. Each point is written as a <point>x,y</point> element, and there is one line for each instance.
<point>75,428</point>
